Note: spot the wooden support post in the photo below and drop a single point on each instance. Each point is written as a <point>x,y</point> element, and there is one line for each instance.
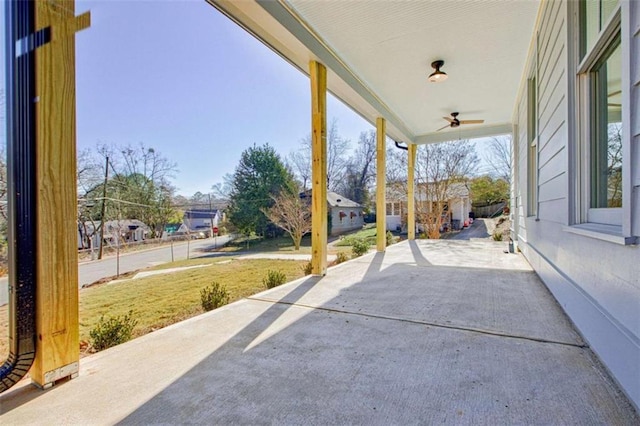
<point>57,346</point>
<point>319,218</point>
<point>411,193</point>
<point>381,184</point>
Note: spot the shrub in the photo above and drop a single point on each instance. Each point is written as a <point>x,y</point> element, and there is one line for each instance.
<point>112,331</point>
<point>359,247</point>
<point>308,268</point>
<point>214,296</point>
<point>341,257</point>
<point>274,279</point>
<point>389,237</point>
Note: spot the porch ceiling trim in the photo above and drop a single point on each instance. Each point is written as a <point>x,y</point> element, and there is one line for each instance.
<point>378,68</point>
<point>318,50</point>
<point>466,133</point>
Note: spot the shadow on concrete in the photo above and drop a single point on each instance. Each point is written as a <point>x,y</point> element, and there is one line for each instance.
<point>389,338</point>
<point>333,361</point>
<point>417,254</point>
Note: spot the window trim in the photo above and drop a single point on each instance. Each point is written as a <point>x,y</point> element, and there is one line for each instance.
<point>532,144</point>
<point>585,93</point>
<point>621,233</point>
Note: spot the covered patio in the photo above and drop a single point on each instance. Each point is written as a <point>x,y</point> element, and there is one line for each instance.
<point>427,332</point>
<point>419,332</point>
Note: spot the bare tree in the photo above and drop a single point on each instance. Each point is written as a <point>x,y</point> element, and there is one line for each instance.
<point>337,157</point>
<point>292,214</point>
<point>440,169</point>
<point>360,170</point>
<point>614,165</point>
<point>139,178</point>
<point>499,157</point>
<point>222,190</point>
<point>299,162</point>
<point>396,164</point>
<point>90,176</point>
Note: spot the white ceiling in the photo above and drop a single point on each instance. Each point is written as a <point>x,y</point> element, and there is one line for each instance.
<point>378,55</point>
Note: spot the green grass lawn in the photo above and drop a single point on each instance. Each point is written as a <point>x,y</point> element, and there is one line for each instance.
<point>270,245</point>
<point>368,234</point>
<point>160,300</point>
<point>259,244</point>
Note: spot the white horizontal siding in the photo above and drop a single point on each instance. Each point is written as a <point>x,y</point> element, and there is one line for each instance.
<point>634,12</point>
<point>552,113</point>
<point>521,178</point>
<point>553,210</point>
<point>553,189</point>
<point>595,281</point>
<point>555,122</point>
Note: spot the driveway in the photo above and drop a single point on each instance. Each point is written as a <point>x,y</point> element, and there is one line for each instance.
<point>480,228</point>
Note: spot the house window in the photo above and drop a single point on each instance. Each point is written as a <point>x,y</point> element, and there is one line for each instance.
<point>532,147</point>
<point>594,15</point>
<point>601,114</point>
<point>394,209</point>
<point>606,132</point>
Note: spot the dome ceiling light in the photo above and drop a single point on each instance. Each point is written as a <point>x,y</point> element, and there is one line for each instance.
<point>437,76</point>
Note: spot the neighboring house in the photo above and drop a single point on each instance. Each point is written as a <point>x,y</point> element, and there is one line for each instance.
<point>201,220</point>
<point>175,229</point>
<point>575,201</point>
<point>129,230</point>
<point>346,215</point>
<point>457,206</point>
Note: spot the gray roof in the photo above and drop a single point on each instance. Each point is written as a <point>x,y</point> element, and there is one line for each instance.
<point>398,191</point>
<point>337,200</point>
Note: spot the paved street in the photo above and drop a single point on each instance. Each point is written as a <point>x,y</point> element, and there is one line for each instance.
<point>91,271</point>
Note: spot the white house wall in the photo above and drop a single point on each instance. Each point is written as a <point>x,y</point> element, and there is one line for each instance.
<point>634,24</point>
<point>595,281</point>
<point>519,184</point>
<point>347,223</point>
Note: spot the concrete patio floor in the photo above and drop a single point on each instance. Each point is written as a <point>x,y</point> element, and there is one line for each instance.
<point>447,332</point>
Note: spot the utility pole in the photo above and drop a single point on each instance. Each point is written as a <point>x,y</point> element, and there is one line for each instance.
<point>103,209</point>
<point>211,214</point>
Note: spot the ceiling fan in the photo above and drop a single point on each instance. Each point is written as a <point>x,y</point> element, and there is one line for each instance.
<point>454,122</point>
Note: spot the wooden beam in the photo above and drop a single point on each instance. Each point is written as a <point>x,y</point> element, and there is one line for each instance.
<point>381,184</point>
<point>411,193</point>
<point>57,346</point>
<point>318,75</point>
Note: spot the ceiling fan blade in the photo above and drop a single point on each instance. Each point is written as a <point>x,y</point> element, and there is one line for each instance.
<point>614,105</point>
<point>449,119</point>
<point>442,128</point>
<point>471,121</point>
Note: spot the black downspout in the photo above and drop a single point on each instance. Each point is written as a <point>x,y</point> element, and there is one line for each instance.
<point>400,146</point>
<point>21,42</point>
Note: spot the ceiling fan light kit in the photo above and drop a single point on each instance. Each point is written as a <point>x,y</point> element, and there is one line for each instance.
<point>437,76</point>
<point>454,122</point>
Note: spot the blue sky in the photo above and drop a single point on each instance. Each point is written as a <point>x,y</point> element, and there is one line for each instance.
<point>181,77</point>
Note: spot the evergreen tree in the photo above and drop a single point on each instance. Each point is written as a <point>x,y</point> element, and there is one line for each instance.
<point>259,177</point>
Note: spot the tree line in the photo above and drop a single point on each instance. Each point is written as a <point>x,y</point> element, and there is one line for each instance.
<point>136,182</point>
